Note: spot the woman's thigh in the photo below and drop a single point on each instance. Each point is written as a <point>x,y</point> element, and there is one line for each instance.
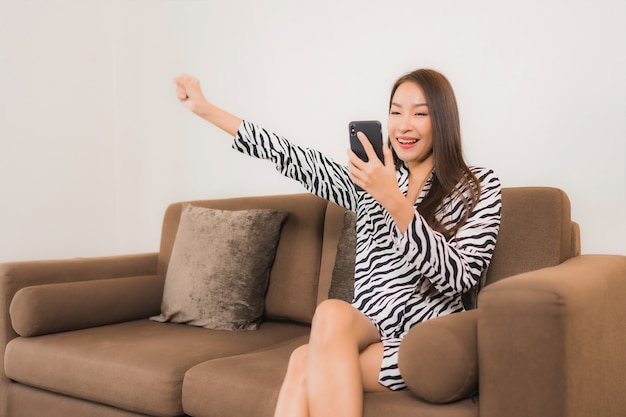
<point>334,320</point>
<point>371,360</point>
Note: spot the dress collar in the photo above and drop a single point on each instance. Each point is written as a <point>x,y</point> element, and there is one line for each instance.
<point>403,182</point>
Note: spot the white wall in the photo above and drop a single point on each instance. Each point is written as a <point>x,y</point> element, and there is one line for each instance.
<point>57,129</point>
<point>94,144</point>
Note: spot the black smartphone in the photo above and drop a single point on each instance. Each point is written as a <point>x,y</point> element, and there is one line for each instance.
<point>373,131</point>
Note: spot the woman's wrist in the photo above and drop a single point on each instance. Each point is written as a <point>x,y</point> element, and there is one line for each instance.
<point>204,109</point>
<point>218,117</point>
<point>401,211</point>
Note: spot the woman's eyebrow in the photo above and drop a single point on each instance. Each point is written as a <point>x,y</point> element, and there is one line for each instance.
<point>414,105</point>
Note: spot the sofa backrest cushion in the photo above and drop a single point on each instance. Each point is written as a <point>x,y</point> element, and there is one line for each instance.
<point>535,231</point>
<point>293,284</point>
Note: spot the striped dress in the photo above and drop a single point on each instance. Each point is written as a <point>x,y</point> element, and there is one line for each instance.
<point>394,269</point>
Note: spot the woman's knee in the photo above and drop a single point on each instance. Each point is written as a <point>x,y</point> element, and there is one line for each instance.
<point>333,318</point>
<point>333,313</point>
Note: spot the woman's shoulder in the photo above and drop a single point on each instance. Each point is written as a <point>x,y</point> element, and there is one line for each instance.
<point>485,175</point>
<point>490,186</point>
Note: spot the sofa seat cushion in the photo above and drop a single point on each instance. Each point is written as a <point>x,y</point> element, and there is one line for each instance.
<point>247,385</point>
<point>138,366</point>
<point>403,403</point>
<point>25,401</point>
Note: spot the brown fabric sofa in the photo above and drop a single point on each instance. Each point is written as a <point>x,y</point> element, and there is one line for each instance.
<point>75,339</point>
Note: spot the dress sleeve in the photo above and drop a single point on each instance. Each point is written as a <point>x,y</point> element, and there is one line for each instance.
<point>455,266</point>
<point>317,173</point>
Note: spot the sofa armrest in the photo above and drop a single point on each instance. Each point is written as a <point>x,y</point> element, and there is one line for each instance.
<point>55,308</point>
<point>438,358</point>
<point>17,275</point>
<point>551,342</point>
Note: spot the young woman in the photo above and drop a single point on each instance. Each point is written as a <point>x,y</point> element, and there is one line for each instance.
<point>426,229</point>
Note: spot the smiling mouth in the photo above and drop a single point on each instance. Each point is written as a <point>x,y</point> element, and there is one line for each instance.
<point>407,141</point>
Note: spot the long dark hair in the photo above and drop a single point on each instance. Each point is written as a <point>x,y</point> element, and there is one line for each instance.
<point>451,173</point>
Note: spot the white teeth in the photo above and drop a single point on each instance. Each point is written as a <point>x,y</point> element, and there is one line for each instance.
<point>407,142</point>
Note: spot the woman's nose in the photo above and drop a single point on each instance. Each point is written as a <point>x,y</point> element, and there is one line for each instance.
<point>405,124</point>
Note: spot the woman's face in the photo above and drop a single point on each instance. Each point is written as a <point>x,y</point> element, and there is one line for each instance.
<point>409,125</point>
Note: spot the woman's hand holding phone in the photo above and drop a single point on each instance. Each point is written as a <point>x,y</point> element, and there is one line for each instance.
<point>378,178</point>
<point>368,171</point>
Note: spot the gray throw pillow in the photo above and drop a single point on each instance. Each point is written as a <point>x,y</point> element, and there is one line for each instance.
<point>219,268</point>
<point>342,282</point>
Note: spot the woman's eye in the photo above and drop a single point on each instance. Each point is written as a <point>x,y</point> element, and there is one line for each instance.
<point>421,114</point>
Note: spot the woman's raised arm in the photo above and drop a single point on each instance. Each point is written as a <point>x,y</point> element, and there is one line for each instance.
<point>190,94</point>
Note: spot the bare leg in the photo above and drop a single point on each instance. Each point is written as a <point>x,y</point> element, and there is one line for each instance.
<point>328,376</point>
<point>292,400</point>
<point>371,359</point>
<point>335,381</point>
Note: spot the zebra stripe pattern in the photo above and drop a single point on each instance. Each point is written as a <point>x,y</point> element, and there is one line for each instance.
<point>393,269</point>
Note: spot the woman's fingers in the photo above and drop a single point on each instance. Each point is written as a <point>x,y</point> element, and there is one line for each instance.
<point>181,92</point>
<point>367,146</point>
<point>373,176</point>
<point>388,155</point>
<point>188,91</point>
